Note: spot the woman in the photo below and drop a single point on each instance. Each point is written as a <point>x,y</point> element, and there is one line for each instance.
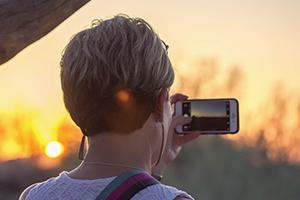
<point>115,79</point>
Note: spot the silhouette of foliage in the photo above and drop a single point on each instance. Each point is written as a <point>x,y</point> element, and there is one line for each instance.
<point>215,168</point>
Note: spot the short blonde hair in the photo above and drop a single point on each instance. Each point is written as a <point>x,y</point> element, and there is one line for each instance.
<point>120,53</point>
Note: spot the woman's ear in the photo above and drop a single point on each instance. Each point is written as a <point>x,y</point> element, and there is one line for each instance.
<point>161,100</point>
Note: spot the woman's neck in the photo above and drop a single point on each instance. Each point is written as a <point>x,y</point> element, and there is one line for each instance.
<point>128,149</point>
<point>110,154</point>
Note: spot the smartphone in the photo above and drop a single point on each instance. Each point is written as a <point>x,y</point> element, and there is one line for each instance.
<point>209,116</point>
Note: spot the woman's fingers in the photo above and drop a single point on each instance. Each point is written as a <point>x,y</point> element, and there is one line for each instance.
<point>187,137</point>
<point>178,97</point>
<point>180,120</point>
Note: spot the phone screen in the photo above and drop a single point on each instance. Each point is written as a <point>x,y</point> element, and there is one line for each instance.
<point>207,115</point>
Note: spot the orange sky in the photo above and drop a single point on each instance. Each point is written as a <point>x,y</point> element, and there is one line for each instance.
<point>260,36</point>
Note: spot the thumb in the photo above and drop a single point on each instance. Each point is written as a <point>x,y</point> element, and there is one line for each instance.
<point>180,120</point>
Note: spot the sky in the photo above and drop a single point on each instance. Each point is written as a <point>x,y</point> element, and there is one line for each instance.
<point>262,37</point>
<point>208,109</point>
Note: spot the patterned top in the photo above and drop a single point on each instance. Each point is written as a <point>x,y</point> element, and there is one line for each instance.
<point>67,188</point>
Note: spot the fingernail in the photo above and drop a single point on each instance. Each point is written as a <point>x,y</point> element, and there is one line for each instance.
<point>189,118</point>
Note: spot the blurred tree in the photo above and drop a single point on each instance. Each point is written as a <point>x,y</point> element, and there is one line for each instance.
<point>215,168</point>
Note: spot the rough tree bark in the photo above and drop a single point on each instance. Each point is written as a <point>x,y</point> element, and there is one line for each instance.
<point>23,22</point>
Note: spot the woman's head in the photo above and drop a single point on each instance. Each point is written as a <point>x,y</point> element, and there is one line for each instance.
<point>113,75</point>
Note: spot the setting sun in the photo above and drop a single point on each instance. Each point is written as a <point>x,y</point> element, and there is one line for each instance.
<point>54,149</point>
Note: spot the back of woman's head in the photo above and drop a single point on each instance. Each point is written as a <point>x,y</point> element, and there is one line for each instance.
<point>112,74</point>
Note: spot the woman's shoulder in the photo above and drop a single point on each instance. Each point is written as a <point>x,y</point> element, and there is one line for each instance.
<point>26,191</point>
<point>37,186</point>
<point>162,191</point>
<point>64,187</point>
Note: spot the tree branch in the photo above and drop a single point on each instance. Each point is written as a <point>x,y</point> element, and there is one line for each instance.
<point>23,22</point>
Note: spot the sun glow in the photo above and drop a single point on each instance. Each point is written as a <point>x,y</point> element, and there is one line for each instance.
<point>54,149</point>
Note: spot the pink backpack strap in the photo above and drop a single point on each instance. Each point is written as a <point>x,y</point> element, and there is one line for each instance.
<point>126,185</point>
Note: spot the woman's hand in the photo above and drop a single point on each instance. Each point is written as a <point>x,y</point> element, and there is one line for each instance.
<point>174,141</point>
